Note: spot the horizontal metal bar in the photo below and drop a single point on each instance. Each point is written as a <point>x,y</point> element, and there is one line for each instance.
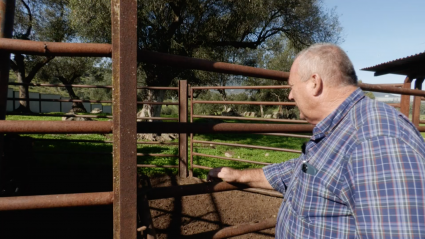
<point>55,201</point>
<point>105,50</point>
<point>156,166</point>
<point>92,86</point>
<point>157,118</point>
<point>191,189</point>
<point>242,229</point>
<point>395,105</point>
<point>287,135</point>
<point>249,118</point>
<point>63,100</point>
<point>157,155</point>
<point>176,127</point>
<point>231,159</point>
<point>156,103</point>
<point>202,167</point>
<point>73,152</point>
<point>55,127</point>
<point>247,146</point>
<point>243,102</point>
<point>391,89</point>
<point>101,141</point>
<point>241,87</point>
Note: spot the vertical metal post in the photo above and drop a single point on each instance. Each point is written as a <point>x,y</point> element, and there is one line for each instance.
<point>7,12</point>
<point>183,172</point>
<point>124,65</point>
<point>416,111</point>
<point>405,99</point>
<point>191,134</point>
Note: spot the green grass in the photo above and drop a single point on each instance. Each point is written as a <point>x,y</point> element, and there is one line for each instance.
<point>85,157</point>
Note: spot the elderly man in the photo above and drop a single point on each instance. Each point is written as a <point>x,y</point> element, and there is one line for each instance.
<point>362,173</point>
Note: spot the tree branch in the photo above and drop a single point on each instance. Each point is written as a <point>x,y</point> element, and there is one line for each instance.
<point>37,67</point>
<point>27,34</point>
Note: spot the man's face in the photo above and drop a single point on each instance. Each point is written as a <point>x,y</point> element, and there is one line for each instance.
<point>299,92</point>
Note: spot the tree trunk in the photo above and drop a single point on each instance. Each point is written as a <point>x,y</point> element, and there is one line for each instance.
<point>153,110</point>
<point>261,111</point>
<point>77,107</point>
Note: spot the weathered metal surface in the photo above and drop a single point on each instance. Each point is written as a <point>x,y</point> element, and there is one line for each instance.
<point>92,86</point>
<point>241,87</point>
<point>183,162</point>
<point>55,48</point>
<point>405,99</point>
<point>103,141</point>
<point>175,127</point>
<point>156,166</point>
<point>124,65</point>
<point>390,89</point>
<point>157,155</point>
<point>157,118</point>
<point>231,159</point>
<point>287,135</point>
<point>191,134</point>
<point>244,228</point>
<point>7,9</point>
<point>55,127</point>
<point>244,102</point>
<point>55,201</point>
<point>247,146</point>
<point>416,111</point>
<point>249,119</point>
<point>192,189</point>
<point>64,100</point>
<point>201,167</point>
<point>104,50</point>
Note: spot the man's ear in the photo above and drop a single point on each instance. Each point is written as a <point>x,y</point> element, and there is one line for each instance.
<point>316,84</point>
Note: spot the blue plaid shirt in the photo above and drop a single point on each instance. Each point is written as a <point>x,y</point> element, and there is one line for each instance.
<point>363,176</point>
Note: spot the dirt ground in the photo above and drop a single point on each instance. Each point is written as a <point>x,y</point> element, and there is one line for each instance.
<point>178,217</point>
<point>196,215</point>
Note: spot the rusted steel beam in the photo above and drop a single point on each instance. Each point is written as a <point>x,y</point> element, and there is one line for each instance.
<point>56,201</point>
<point>191,134</point>
<point>390,89</point>
<point>183,162</point>
<point>105,50</point>
<point>175,127</point>
<point>241,87</point>
<point>92,86</point>
<point>231,159</point>
<point>64,100</point>
<point>157,118</point>
<point>56,48</point>
<point>157,155</point>
<point>395,105</point>
<point>156,166</point>
<point>243,102</point>
<point>192,189</point>
<point>55,127</point>
<point>405,99</point>
<point>7,10</point>
<point>249,119</point>
<point>67,115</point>
<point>247,146</point>
<point>124,94</point>
<point>244,228</point>
<point>100,141</point>
<point>201,167</point>
<point>287,135</point>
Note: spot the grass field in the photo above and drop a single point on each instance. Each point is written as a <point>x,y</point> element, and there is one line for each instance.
<point>83,154</point>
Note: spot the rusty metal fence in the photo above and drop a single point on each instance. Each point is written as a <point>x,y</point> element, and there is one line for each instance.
<point>124,127</point>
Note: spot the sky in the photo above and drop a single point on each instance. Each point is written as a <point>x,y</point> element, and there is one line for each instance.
<point>378,31</point>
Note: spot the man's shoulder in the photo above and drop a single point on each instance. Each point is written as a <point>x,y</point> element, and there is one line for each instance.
<point>372,118</point>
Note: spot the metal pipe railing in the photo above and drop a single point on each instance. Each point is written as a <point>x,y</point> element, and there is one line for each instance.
<point>243,102</point>
<point>249,119</point>
<point>92,86</point>
<point>231,159</point>
<point>55,201</point>
<point>94,101</point>
<point>246,146</point>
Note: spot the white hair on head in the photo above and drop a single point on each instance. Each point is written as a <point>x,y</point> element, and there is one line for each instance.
<point>329,61</point>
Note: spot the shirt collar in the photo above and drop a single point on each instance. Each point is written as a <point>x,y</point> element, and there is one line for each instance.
<point>325,126</point>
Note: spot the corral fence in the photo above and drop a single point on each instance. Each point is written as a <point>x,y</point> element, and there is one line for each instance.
<point>124,126</point>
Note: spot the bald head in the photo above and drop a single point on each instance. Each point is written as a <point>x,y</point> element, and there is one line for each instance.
<point>330,62</point>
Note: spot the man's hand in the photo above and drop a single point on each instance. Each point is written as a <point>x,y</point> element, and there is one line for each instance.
<point>227,174</point>
<point>252,177</point>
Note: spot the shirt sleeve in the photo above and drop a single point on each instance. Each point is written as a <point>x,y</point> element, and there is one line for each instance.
<point>279,175</point>
<point>387,181</point>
